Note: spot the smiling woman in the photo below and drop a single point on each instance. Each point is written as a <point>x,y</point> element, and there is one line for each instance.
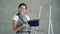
<point>20,20</point>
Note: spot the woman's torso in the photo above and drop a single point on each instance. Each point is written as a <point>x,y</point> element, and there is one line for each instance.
<point>20,23</point>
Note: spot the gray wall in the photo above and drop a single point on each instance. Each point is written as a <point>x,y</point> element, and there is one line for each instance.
<point>8,8</point>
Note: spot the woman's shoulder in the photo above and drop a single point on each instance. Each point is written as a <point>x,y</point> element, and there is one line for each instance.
<point>15,17</point>
<point>26,15</point>
<point>28,18</point>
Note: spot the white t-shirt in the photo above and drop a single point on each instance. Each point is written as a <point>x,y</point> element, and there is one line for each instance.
<point>17,18</point>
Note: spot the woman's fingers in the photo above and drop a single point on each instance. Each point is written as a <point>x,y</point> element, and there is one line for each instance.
<point>26,25</point>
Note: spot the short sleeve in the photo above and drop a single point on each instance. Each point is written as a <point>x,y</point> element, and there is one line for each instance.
<point>28,18</point>
<point>15,18</point>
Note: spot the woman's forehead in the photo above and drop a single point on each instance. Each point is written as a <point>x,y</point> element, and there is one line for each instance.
<point>23,6</point>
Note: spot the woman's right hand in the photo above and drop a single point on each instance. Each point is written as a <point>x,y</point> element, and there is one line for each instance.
<point>25,25</point>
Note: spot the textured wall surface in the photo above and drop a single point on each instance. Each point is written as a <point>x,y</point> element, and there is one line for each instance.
<point>8,8</point>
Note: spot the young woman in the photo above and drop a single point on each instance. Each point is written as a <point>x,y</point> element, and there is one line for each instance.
<point>20,20</point>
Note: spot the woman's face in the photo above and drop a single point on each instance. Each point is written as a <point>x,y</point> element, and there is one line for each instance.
<point>22,9</point>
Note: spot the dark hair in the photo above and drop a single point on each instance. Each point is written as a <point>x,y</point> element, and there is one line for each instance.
<point>22,4</point>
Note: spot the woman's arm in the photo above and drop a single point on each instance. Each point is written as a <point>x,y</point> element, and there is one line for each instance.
<point>15,29</point>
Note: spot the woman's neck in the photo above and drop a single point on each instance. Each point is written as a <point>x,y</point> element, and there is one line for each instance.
<point>21,14</point>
